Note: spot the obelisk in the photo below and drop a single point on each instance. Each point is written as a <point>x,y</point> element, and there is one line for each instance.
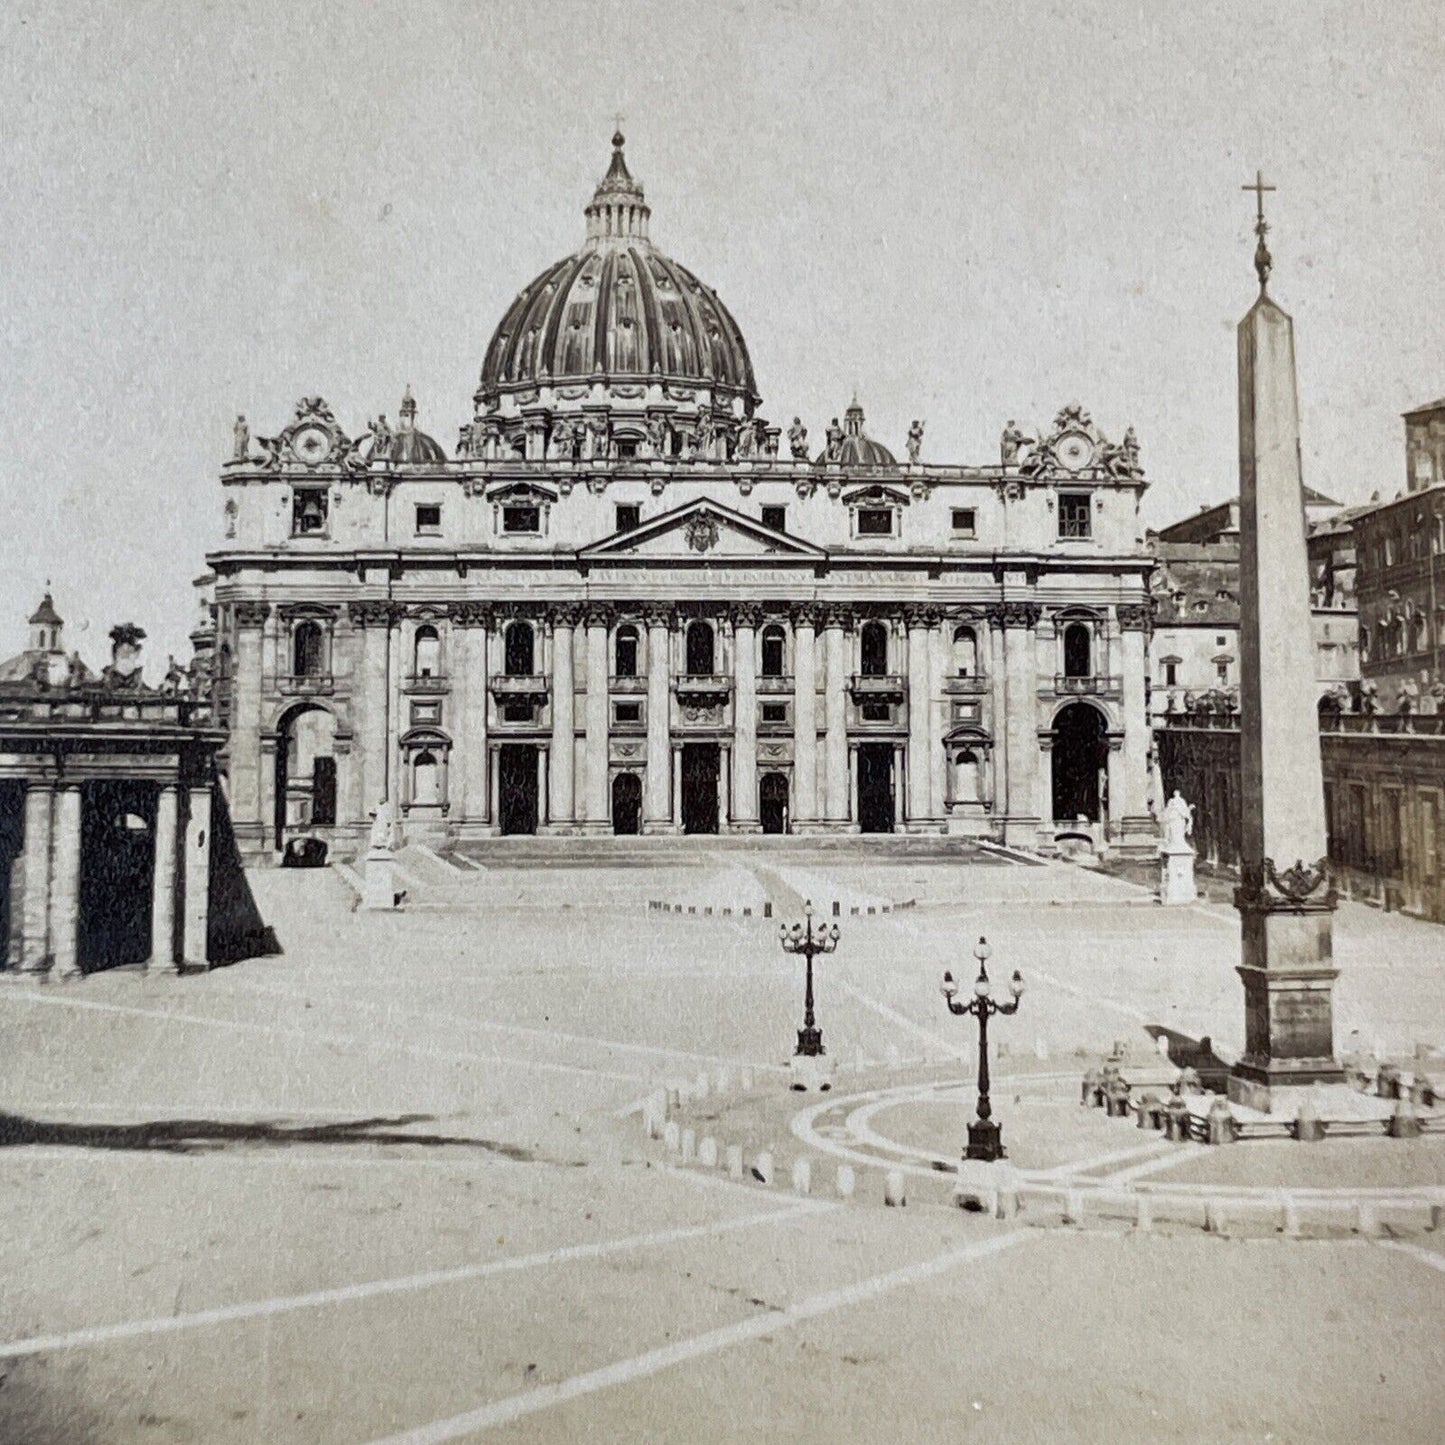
<point>1285,901</point>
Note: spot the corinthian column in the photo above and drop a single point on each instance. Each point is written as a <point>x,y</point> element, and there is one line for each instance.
<point>746,618</point>
<point>836,623</point>
<point>659,724</point>
<point>564,726</point>
<point>471,627</point>
<point>598,618</point>
<point>920,622</point>
<point>805,716</point>
<point>370,701</point>
<point>163,880</point>
<point>1021,737</point>
<point>1138,829</point>
<point>245,744</point>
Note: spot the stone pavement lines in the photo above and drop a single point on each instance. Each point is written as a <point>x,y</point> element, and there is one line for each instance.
<point>371,1289</point>
<point>950,1046</point>
<point>621,1372</point>
<point>1425,1256</point>
<point>378,1045</point>
<point>1181,1153</point>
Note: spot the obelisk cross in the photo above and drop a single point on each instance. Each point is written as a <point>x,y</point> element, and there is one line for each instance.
<point>1263,262</point>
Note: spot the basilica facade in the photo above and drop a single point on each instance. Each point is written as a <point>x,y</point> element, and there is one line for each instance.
<point>630,603</point>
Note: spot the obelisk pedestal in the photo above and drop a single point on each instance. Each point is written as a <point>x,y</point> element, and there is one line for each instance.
<point>1286,905</point>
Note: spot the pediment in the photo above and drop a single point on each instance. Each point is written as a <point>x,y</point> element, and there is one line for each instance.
<point>701,531</point>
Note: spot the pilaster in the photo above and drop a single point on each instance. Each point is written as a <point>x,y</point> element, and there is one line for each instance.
<point>564,726</point>
<point>163,880</point>
<point>196,879</point>
<point>746,619</point>
<point>837,622</point>
<point>805,716</point>
<point>37,845</point>
<point>598,619</point>
<point>658,809</point>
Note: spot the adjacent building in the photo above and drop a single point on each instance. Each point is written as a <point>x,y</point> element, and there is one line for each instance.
<point>630,602</point>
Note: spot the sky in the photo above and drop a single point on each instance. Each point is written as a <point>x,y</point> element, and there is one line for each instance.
<point>965,211</point>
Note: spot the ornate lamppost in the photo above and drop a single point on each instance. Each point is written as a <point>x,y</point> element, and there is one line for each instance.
<point>801,938</point>
<point>985,1138</point>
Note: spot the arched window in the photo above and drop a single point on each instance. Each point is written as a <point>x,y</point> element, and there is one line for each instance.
<point>774,651</point>
<point>425,785</point>
<point>965,652</point>
<point>1421,640</point>
<point>308,650</point>
<point>1076,650</point>
<point>627,651</point>
<point>700,649</point>
<point>966,776</point>
<point>427,652</point>
<point>873,650</point>
<point>519,648</point>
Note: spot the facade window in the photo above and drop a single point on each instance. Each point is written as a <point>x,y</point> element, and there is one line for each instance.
<point>519,648</point>
<point>1171,674</point>
<point>626,448</point>
<point>877,712</point>
<point>875,522</point>
<point>517,711</point>
<point>776,518</point>
<point>627,712</point>
<point>775,712</point>
<point>629,515</point>
<point>428,519</point>
<point>427,652</point>
<point>965,522</point>
<point>774,651</point>
<point>426,714</point>
<point>308,650</point>
<point>1074,519</point>
<point>1078,645</point>
<point>873,650</point>
<point>965,652</point>
<point>701,649</point>
<point>627,651</point>
<point>1220,640</point>
<point>308,512</point>
<point>1221,673</point>
<point>522,520</point>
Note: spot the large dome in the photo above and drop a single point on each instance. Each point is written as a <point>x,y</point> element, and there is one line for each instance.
<point>618,311</point>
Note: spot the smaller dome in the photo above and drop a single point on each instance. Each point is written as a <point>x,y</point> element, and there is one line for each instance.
<point>854,449</point>
<point>410,446</point>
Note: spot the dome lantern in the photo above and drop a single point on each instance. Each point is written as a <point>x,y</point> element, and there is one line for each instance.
<point>618,211</point>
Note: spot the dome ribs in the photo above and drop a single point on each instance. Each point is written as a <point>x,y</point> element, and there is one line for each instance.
<point>649,312</point>
<point>602,319</point>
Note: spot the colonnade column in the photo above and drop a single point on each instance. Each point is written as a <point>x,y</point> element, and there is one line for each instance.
<point>920,622</point>
<point>938,719</point>
<point>836,623</point>
<point>658,814</point>
<point>196,875</point>
<point>245,742</point>
<point>370,682</point>
<point>564,725</point>
<point>1136,823</point>
<point>745,717</point>
<point>39,838</point>
<point>1021,739</point>
<point>65,881</point>
<point>163,880</point>
<point>597,619</point>
<point>471,628</point>
<point>805,716</point>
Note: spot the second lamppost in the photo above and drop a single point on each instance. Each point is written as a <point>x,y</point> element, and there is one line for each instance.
<point>985,1137</point>
<point>803,938</point>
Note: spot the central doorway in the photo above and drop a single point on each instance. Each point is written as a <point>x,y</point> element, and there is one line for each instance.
<point>1081,764</point>
<point>773,802</point>
<point>627,803</point>
<point>517,788</point>
<point>699,787</point>
<point>875,787</point>
<point>117,868</point>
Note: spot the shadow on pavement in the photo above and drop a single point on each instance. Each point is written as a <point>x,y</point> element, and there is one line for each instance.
<point>185,1136</point>
<point>1192,1053</point>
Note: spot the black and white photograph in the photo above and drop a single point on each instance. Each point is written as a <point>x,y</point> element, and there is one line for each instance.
<point>722,722</point>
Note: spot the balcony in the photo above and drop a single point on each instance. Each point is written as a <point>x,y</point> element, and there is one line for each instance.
<point>1088,686</point>
<point>428,683</point>
<point>507,687</point>
<point>880,687</point>
<point>774,686</point>
<point>965,686</point>
<point>697,687</point>
<point>312,685</point>
<point>627,684</point>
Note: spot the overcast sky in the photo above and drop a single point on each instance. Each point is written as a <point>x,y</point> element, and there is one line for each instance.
<point>966,211</point>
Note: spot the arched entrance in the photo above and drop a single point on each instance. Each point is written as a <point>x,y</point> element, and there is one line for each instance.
<point>627,803</point>
<point>517,788</point>
<point>700,772</point>
<point>1081,763</point>
<point>876,784</point>
<point>305,771</point>
<point>117,871</point>
<point>773,802</point>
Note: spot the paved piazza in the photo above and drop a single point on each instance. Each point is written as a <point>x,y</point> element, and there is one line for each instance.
<point>391,1185</point>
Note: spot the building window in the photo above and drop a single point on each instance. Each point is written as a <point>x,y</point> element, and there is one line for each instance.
<point>774,648</point>
<point>426,714</point>
<point>629,515</point>
<point>519,649</point>
<point>1074,519</point>
<point>627,712</point>
<point>776,518</point>
<point>775,712</point>
<point>1077,647</point>
<point>700,649</point>
<point>626,448</point>
<point>428,519</point>
<point>877,712</point>
<point>308,650</point>
<point>965,652</point>
<point>522,520</point>
<point>308,512</point>
<point>965,522</point>
<point>873,650</point>
<point>517,711</point>
<point>875,522</point>
<point>1221,673</point>
<point>627,651</point>
<point>1171,674</point>
<point>427,652</point>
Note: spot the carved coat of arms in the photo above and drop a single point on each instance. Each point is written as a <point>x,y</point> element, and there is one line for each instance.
<point>701,532</point>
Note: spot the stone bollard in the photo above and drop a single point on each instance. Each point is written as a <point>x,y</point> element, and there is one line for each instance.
<point>1290,1224</point>
<point>802,1177</point>
<point>1073,1207</point>
<point>1221,1125</point>
<point>723,1081</point>
<point>1367,1219</point>
<point>1162,1045</point>
<point>1309,1128</point>
<point>894,1195</point>
<point>1424,1091</point>
<point>672,1136</point>
<point>745,1080</point>
<point>1089,1089</point>
<point>1146,1106</point>
<point>1214,1216</point>
<point>1404,1123</point>
<point>734,1162</point>
<point>707,1152</point>
<point>1387,1082</point>
<point>1117,1102</point>
<point>1041,1048</point>
<point>673,1098</point>
<point>847,1181</point>
<point>701,1086</point>
<point>689,1145</point>
<point>653,1118</point>
<point>1176,1120</point>
<point>1143,1213</point>
<point>1189,1082</point>
<point>763,1167</point>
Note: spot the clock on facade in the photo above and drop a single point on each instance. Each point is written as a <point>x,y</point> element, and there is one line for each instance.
<point>312,444</point>
<point>1074,451</point>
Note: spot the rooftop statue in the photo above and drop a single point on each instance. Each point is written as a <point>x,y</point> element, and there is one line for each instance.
<point>915,441</point>
<point>798,440</point>
<point>241,436</point>
<point>1012,443</point>
<point>833,449</point>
